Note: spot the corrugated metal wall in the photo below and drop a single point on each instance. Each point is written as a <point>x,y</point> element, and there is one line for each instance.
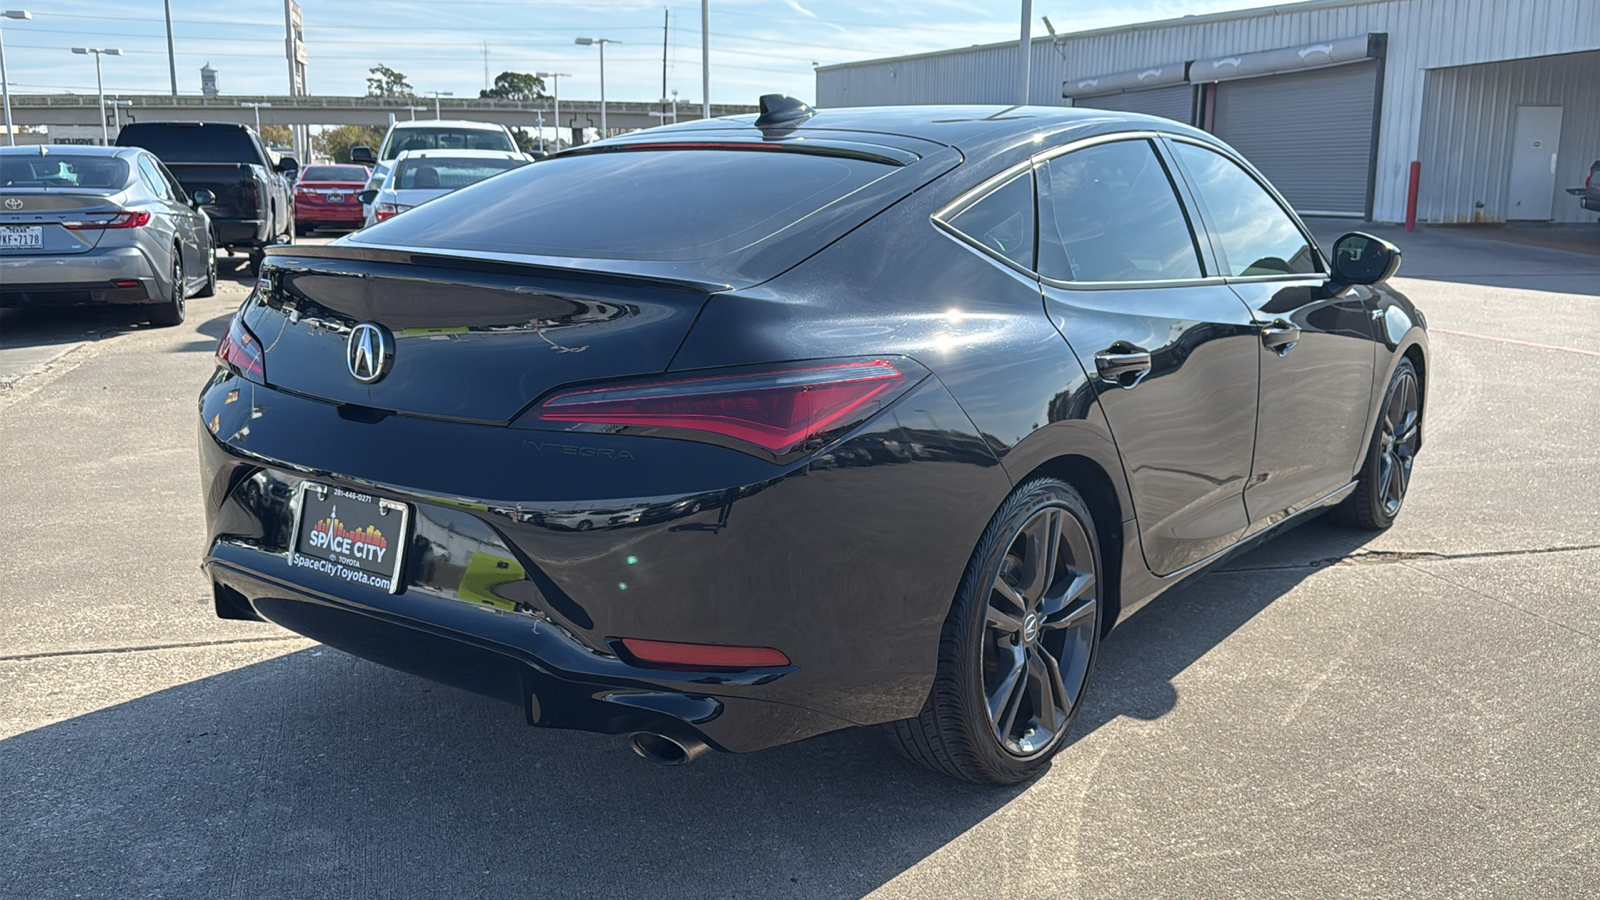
<point>1175,102</point>
<point>1468,118</point>
<point>1423,34</point>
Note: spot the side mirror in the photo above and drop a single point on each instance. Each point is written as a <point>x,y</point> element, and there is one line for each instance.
<point>201,198</point>
<point>367,196</point>
<point>363,155</point>
<point>288,165</point>
<point>1363,259</point>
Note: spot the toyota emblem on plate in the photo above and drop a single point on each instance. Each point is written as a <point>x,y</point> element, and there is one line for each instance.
<point>369,352</point>
<point>13,203</point>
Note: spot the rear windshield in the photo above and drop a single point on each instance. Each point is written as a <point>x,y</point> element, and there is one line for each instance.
<point>447,173</point>
<point>63,170</point>
<point>640,205</point>
<point>333,173</point>
<point>192,143</point>
<point>404,139</point>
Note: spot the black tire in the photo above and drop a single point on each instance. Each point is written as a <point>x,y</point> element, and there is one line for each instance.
<point>993,664</point>
<point>301,230</point>
<point>209,289</point>
<point>170,312</point>
<point>1385,477</point>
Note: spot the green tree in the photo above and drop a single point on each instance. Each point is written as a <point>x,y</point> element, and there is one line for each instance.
<point>386,82</point>
<point>335,143</point>
<point>515,86</point>
<point>281,135</point>
<point>525,141</point>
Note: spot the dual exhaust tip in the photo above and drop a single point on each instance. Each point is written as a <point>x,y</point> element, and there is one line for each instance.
<point>667,751</point>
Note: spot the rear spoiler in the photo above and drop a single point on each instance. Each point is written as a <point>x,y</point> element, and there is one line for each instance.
<point>630,272</point>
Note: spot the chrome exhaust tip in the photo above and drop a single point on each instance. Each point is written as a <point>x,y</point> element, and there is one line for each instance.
<point>667,751</point>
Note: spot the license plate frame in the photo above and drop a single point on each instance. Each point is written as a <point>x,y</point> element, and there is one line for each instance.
<point>356,565</point>
<point>35,233</point>
<point>335,197</point>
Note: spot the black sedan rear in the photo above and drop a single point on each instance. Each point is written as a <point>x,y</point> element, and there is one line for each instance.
<point>735,432</point>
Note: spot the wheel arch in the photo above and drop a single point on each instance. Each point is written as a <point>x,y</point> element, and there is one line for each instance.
<point>1092,481</point>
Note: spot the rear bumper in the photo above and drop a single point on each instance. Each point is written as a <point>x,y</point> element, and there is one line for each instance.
<point>343,214</point>
<point>241,232</point>
<point>529,554</point>
<point>1591,203</point>
<point>78,279</point>
<point>556,681</point>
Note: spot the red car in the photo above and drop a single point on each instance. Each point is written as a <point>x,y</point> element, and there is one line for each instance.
<point>326,195</point>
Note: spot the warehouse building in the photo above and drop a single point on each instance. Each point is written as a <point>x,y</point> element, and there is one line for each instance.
<point>1497,100</point>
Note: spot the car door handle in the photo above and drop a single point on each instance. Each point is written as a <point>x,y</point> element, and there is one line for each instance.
<point>1123,364</point>
<point>1280,336</point>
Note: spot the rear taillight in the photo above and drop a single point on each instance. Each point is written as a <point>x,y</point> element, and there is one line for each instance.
<point>134,219</point>
<point>777,410</point>
<point>240,351</point>
<point>387,210</point>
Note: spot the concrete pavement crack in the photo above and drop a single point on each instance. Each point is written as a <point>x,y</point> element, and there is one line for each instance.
<point>1507,604</point>
<point>145,648</point>
<point>1388,557</point>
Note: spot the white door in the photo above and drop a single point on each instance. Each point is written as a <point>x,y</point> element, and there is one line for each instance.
<point>1533,163</point>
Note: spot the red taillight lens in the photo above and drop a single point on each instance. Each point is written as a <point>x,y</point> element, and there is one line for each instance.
<point>774,410</point>
<point>134,219</point>
<point>388,210</point>
<point>240,351</point>
<point>702,656</point>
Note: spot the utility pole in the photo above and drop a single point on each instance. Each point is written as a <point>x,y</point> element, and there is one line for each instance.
<point>486,65</point>
<point>172,60</point>
<point>666,21</point>
<point>705,59</point>
<point>1024,52</point>
<point>5,82</point>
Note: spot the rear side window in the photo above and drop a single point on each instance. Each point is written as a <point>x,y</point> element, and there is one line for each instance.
<point>1258,237</point>
<point>1115,217</point>
<point>1002,220</point>
<point>434,173</point>
<point>639,205</point>
<point>192,143</point>
<point>153,179</point>
<point>63,170</point>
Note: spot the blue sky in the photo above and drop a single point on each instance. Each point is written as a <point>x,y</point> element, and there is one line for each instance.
<point>757,46</point>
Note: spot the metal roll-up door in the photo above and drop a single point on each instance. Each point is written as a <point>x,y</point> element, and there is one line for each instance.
<point>1175,102</point>
<point>1309,132</point>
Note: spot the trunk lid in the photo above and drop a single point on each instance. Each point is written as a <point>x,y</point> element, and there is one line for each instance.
<point>46,210</point>
<point>472,340</point>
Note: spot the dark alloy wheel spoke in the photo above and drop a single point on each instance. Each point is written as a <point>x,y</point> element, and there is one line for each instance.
<point>1042,608</point>
<point>1402,419</point>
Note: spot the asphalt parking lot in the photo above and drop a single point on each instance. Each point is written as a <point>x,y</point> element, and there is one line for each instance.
<point>1336,714</point>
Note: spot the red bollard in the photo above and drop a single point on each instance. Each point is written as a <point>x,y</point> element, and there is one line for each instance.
<point>1411,196</point>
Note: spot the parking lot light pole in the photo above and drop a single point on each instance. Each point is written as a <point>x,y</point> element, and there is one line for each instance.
<point>5,83</point>
<point>436,96</point>
<point>100,85</point>
<point>602,42</point>
<point>555,91</point>
<point>257,108</point>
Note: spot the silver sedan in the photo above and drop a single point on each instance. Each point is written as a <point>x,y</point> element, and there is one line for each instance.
<point>101,225</point>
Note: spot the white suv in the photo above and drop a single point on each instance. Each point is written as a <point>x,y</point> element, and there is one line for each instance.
<point>428,134</point>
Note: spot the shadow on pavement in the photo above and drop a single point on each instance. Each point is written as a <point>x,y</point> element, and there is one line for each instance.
<point>315,772</point>
<point>53,326</point>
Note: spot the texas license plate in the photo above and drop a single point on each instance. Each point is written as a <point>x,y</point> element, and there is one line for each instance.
<point>335,198</point>
<point>21,237</point>
<point>350,536</point>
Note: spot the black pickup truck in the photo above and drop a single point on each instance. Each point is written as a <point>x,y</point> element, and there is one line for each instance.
<point>254,205</point>
<point>1589,195</point>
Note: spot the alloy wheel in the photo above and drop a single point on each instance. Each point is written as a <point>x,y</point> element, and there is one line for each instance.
<point>1397,443</point>
<point>1039,632</point>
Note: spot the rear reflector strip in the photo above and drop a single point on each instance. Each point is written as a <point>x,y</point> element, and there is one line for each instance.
<point>702,656</point>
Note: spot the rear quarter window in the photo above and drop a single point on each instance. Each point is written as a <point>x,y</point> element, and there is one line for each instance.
<point>673,205</point>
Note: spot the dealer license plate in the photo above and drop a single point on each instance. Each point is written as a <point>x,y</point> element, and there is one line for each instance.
<point>21,237</point>
<point>350,536</point>
<point>335,198</point>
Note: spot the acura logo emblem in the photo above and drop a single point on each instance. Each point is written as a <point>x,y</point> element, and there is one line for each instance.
<point>369,352</point>
<point>13,203</point>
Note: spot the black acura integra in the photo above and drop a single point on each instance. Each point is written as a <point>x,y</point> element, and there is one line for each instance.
<point>735,432</point>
